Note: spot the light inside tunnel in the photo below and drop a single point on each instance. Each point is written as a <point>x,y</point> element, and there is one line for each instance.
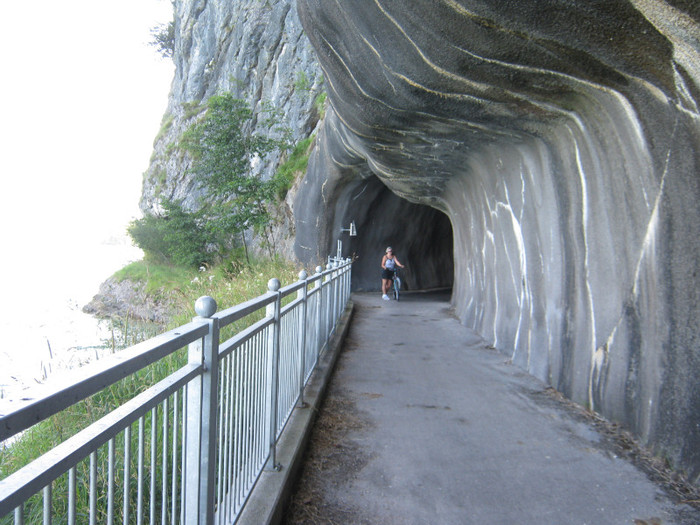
<point>420,235</point>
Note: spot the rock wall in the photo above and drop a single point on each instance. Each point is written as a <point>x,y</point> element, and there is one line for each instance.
<point>129,301</point>
<point>562,142</point>
<point>254,49</point>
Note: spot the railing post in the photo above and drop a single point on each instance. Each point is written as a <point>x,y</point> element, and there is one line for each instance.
<point>274,309</point>
<point>343,283</point>
<point>348,279</point>
<point>336,293</point>
<point>319,312</point>
<point>200,441</point>
<point>301,294</point>
<point>329,308</point>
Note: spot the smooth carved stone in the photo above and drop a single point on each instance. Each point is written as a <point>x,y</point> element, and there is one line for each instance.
<point>544,156</point>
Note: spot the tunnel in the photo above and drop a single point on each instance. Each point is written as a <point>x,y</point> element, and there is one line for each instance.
<point>555,148</point>
<point>420,235</point>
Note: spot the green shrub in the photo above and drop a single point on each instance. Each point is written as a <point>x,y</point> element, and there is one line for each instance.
<point>191,109</point>
<point>165,125</point>
<point>320,104</point>
<point>221,148</point>
<point>235,199</point>
<point>302,82</point>
<point>177,237</point>
<point>164,39</point>
<point>296,164</point>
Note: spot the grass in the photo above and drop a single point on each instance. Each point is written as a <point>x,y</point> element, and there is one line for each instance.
<point>192,109</point>
<point>49,433</point>
<point>296,163</point>
<point>302,82</point>
<point>158,277</point>
<point>228,284</point>
<point>165,125</point>
<point>320,104</point>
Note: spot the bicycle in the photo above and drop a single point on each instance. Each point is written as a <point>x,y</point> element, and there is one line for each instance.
<point>396,283</point>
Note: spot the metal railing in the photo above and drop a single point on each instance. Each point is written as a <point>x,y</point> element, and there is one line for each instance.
<point>190,448</point>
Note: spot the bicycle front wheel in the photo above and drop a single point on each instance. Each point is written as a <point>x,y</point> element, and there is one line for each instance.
<point>397,287</point>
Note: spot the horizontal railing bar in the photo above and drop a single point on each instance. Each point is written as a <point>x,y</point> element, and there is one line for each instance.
<point>332,283</point>
<point>30,479</point>
<point>291,288</point>
<point>241,337</point>
<point>314,290</point>
<point>309,280</point>
<point>291,306</point>
<point>313,278</point>
<point>233,314</point>
<point>100,375</point>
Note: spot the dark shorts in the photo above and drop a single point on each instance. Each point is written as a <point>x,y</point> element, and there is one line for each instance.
<point>387,274</point>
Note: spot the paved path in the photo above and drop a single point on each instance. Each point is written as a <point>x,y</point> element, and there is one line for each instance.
<point>446,431</point>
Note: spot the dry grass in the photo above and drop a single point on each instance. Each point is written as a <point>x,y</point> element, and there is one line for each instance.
<point>332,460</point>
<point>623,445</point>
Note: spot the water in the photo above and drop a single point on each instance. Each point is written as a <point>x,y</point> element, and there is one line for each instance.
<point>44,330</point>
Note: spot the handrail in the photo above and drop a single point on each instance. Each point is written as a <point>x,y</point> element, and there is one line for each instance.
<point>15,487</point>
<point>102,374</point>
<point>244,335</point>
<point>193,445</point>
<point>233,314</point>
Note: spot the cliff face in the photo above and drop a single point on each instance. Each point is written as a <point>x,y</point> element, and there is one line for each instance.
<point>254,49</point>
<point>540,157</point>
<point>547,151</point>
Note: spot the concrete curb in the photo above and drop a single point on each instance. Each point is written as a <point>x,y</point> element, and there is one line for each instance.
<point>271,494</point>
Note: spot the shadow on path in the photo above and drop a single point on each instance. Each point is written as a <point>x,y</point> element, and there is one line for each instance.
<point>424,423</point>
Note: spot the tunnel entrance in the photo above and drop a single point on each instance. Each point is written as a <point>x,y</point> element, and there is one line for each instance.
<point>421,237</point>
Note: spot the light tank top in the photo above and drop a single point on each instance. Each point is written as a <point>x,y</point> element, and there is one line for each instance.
<point>390,264</point>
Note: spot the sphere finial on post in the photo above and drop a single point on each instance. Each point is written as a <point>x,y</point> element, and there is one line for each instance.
<point>205,306</point>
<point>273,284</point>
<point>303,275</point>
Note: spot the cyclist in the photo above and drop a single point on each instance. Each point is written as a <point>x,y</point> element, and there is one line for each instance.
<point>389,264</point>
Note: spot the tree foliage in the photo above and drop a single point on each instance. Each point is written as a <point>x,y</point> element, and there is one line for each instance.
<point>236,199</point>
<point>223,149</point>
<point>164,39</point>
<point>176,236</point>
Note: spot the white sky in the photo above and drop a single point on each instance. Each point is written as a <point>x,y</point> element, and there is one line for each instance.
<point>82,97</point>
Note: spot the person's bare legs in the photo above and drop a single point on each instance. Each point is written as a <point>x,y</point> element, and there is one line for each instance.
<point>385,286</point>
